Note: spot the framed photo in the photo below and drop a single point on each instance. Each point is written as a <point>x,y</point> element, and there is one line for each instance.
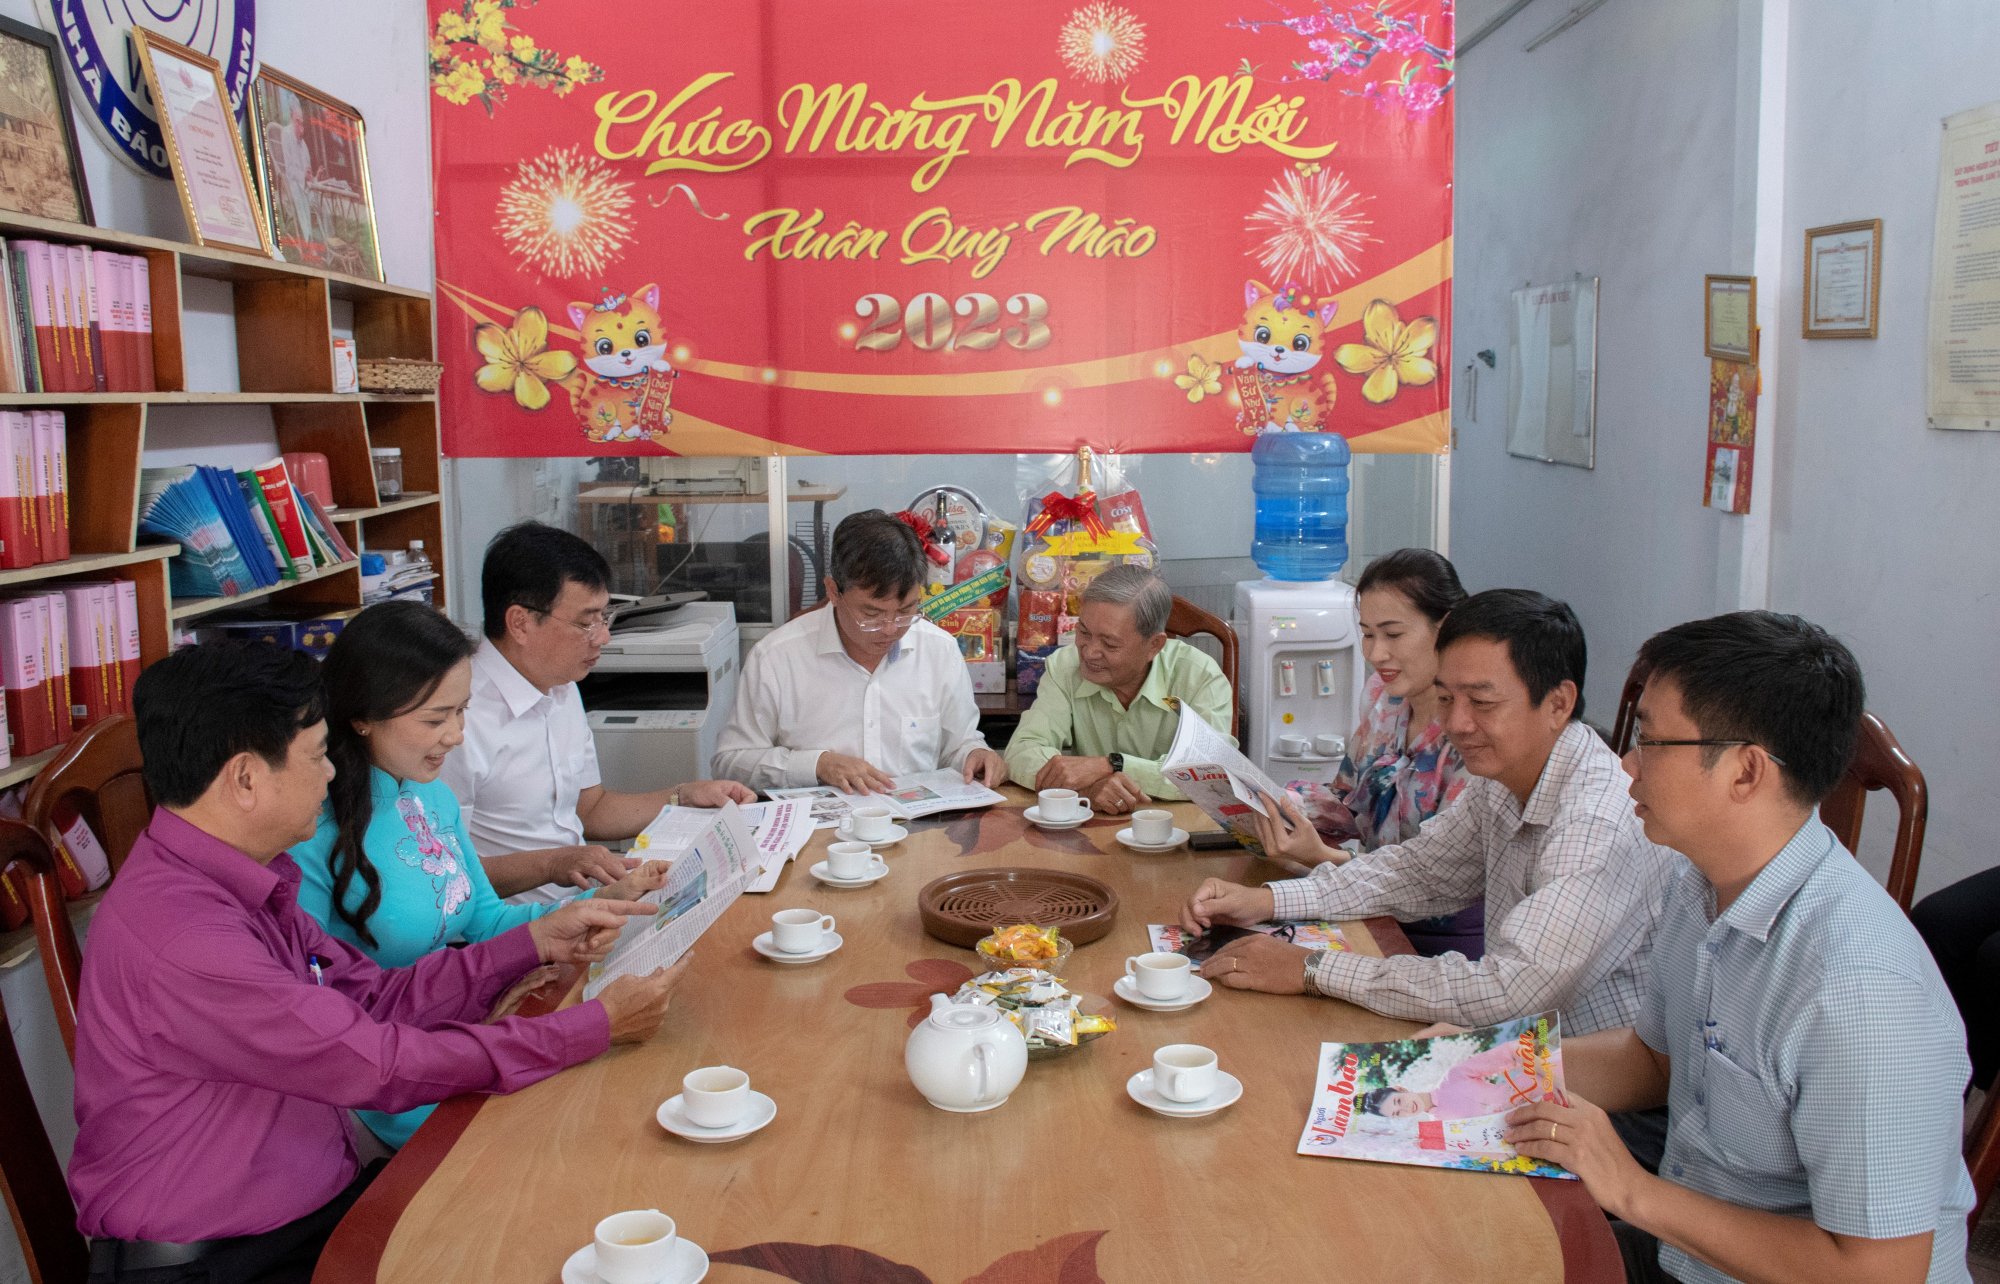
<point>312,163</point>
<point>1729,318</point>
<point>1843,280</point>
<point>203,147</point>
<point>40,171</point>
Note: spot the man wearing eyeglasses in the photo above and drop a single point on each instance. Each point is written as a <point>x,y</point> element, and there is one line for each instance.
<point>1808,1052</point>
<point>527,775</point>
<point>862,691</point>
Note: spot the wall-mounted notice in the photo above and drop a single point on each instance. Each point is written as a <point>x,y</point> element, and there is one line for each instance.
<point>1965,275</point>
<point>1552,373</point>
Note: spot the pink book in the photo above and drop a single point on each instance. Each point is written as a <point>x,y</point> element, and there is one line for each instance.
<point>17,496</point>
<point>92,657</point>
<point>58,437</point>
<point>142,318</point>
<point>128,642</point>
<point>55,636</point>
<point>83,287</point>
<point>42,309</point>
<point>43,469</point>
<point>28,729</point>
<point>108,286</point>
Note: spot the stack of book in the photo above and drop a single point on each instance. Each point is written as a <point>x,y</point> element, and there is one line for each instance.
<point>76,319</point>
<point>34,488</point>
<point>68,656</point>
<point>237,531</point>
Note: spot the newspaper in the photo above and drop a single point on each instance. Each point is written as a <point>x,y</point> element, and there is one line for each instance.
<point>778,832</point>
<point>1207,768</point>
<point>1437,1103</point>
<point>707,877</point>
<point>1172,938</point>
<point>923,793</point>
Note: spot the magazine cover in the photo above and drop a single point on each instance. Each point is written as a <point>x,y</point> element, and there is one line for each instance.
<point>1205,765</point>
<point>1437,1103</point>
<point>1172,938</point>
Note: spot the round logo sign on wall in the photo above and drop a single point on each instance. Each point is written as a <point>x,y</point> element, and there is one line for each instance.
<point>96,39</point>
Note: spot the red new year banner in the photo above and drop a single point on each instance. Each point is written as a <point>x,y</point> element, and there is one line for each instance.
<point>890,227</point>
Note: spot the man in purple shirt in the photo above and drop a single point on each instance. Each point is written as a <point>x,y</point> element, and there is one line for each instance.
<point>223,1037</point>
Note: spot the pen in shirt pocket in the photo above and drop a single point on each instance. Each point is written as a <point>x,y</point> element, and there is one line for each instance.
<point>313,962</point>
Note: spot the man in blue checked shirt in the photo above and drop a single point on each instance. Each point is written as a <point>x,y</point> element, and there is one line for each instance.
<point>1810,1057</point>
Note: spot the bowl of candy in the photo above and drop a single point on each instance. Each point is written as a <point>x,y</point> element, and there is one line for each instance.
<point>1024,945</point>
<point>1049,1016</point>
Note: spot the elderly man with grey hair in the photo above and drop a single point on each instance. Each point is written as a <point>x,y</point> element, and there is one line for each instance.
<point>1107,707</point>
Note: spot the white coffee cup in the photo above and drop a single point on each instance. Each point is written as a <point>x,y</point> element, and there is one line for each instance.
<point>635,1247</point>
<point>1153,825</point>
<point>799,931</point>
<point>848,860</point>
<point>1160,975</point>
<point>1329,746</point>
<point>1293,746</point>
<point>1184,1072</point>
<point>715,1096</point>
<point>1060,805</point>
<point>870,824</point>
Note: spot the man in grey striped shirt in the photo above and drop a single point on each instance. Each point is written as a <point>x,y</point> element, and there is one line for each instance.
<point>1810,1056</point>
<point>1545,831</point>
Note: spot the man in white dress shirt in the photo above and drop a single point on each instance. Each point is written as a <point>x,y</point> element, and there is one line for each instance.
<point>863,690</point>
<point>527,776</point>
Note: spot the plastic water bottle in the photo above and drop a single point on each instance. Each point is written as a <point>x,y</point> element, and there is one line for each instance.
<point>1301,489</point>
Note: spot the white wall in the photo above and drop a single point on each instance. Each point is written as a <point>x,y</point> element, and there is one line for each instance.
<point>1607,152</point>
<point>1887,531</point>
<point>375,62</point>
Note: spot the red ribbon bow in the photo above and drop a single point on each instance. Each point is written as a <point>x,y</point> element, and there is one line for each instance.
<point>926,535</point>
<point>1080,508</point>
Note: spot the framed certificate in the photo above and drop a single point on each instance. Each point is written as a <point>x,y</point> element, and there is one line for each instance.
<point>1729,321</point>
<point>1843,280</point>
<point>206,152</point>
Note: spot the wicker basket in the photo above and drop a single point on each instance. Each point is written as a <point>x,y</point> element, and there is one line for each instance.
<point>399,374</point>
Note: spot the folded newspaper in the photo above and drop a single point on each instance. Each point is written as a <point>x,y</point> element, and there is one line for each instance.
<point>778,832</point>
<point>706,878</point>
<point>924,793</point>
<point>1207,768</point>
<point>1436,1103</point>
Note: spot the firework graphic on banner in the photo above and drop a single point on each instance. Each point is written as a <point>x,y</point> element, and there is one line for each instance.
<point>1312,227</point>
<point>565,213</point>
<point>1102,42</point>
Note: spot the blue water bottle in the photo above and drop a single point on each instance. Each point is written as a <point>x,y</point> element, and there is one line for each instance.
<point>1301,489</point>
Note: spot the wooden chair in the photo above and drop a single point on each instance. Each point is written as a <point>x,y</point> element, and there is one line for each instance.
<point>1626,726</point>
<point>1880,763</point>
<point>1187,620</point>
<point>97,774</point>
<point>30,1177</point>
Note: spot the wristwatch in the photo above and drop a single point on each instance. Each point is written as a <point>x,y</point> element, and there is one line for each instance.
<point>1117,761</point>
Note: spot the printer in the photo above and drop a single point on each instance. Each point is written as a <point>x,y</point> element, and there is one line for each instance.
<point>660,695</point>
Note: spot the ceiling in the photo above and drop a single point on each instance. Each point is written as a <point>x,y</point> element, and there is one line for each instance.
<point>1473,15</point>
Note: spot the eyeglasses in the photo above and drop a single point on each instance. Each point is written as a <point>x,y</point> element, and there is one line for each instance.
<point>1667,744</point>
<point>586,627</point>
<point>879,623</point>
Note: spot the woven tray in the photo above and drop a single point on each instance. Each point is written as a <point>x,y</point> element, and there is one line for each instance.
<point>398,374</point>
<point>961,908</point>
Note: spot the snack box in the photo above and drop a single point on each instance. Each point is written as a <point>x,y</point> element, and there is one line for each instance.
<point>314,637</point>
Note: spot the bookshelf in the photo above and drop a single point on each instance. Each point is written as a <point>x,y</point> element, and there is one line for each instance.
<point>284,323</point>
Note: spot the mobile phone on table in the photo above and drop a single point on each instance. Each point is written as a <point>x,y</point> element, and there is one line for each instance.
<point>1213,840</point>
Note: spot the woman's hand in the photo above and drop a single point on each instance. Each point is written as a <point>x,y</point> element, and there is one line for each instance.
<point>1286,834</point>
<point>646,878</point>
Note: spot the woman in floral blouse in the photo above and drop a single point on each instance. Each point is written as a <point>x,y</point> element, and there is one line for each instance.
<point>1399,770</point>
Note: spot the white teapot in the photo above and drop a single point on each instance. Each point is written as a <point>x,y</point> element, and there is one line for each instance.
<point>965,1059</point>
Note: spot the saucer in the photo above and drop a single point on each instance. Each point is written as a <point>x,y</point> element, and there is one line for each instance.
<point>1034,815</point>
<point>1199,988</point>
<point>878,869</point>
<point>896,834</point>
<point>827,945</point>
<point>1228,1090</point>
<point>1174,840</point>
<point>690,1264</point>
<point>674,1119</point>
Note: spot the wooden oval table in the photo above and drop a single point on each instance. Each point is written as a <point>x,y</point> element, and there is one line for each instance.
<point>859,1180</point>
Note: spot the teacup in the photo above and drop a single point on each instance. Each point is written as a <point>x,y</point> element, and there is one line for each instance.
<point>1184,1072</point>
<point>870,824</point>
<point>1060,805</point>
<point>1160,975</point>
<point>1329,746</point>
<point>635,1247</point>
<point>715,1096</point>
<point>1293,746</point>
<point>800,931</point>
<point>848,860</point>
<point>1153,825</point>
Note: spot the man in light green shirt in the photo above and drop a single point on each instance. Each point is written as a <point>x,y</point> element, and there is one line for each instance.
<point>1107,707</point>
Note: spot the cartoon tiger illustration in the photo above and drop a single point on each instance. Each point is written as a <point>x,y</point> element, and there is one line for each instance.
<point>625,385</point>
<point>1282,338</point>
